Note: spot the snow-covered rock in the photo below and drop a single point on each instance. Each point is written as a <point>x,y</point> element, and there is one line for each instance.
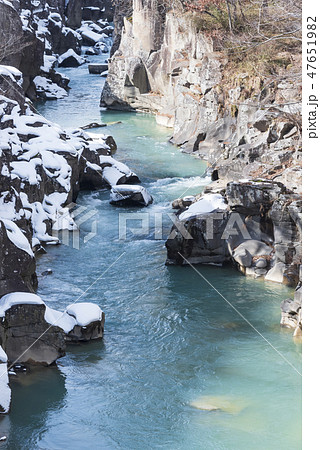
<point>70,59</point>
<point>25,334</point>
<point>89,320</point>
<point>5,391</point>
<point>206,204</point>
<point>115,172</point>
<point>130,195</point>
<point>48,90</point>
<point>25,317</point>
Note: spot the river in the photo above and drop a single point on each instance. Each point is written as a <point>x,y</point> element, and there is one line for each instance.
<point>169,339</point>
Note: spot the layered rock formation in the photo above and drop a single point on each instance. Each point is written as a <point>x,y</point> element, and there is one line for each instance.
<point>245,125</point>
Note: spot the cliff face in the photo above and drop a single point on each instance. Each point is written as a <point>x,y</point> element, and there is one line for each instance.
<point>245,125</point>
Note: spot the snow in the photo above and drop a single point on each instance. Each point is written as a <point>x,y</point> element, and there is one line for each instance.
<point>206,204</point>
<point>124,192</point>
<point>71,53</point>
<point>18,298</point>
<point>13,73</point>
<point>27,170</point>
<point>85,313</point>
<point>3,356</point>
<point>60,319</point>
<point>115,170</point>
<point>5,391</point>
<point>47,89</point>
<point>17,237</point>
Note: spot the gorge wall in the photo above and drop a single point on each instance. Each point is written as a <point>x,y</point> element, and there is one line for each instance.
<point>247,125</point>
<point>244,124</point>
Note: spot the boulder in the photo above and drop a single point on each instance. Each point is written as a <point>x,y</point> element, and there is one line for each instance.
<point>25,334</point>
<point>198,240</point>
<point>89,320</point>
<point>97,68</point>
<point>70,59</point>
<point>276,274</point>
<point>130,195</point>
<point>242,256</point>
<point>17,262</point>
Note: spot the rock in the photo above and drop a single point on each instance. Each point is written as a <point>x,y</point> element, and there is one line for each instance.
<point>25,334</point>
<point>97,68</point>
<point>290,313</point>
<point>252,197</point>
<point>89,37</point>
<point>219,403</point>
<point>17,262</point>
<point>74,13</point>
<point>242,256</point>
<point>48,90</point>
<point>47,272</point>
<point>261,263</point>
<point>89,322</point>
<point>114,172</point>
<point>198,240</point>
<point>276,274</point>
<point>93,125</point>
<point>91,51</point>
<point>130,195</point>
<point>70,59</point>
<point>248,251</point>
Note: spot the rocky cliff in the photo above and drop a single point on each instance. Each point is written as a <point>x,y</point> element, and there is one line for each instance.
<point>246,124</point>
<point>36,37</point>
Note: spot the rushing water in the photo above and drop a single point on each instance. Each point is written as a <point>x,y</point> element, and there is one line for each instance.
<point>169,337</point>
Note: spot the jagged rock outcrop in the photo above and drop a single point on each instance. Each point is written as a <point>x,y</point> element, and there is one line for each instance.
<point>259,229</point>
<point>245,125</point>
<point>19,46</point>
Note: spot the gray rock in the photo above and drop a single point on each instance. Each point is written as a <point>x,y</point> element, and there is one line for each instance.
<point>97,68</point>
<point>198,240</point>
<point>277,272</point>
<point>27,338</point>
<point>242,257</point>
<point>90,332</point>
<point>261,263</point>
<point>128,195</point>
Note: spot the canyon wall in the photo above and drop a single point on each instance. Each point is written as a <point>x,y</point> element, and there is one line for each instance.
<point>244,124</point>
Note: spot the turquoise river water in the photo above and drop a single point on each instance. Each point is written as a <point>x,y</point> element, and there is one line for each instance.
<point>169,338</point>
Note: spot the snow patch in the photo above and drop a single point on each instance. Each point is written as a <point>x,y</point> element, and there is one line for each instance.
<point>206,204</point>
